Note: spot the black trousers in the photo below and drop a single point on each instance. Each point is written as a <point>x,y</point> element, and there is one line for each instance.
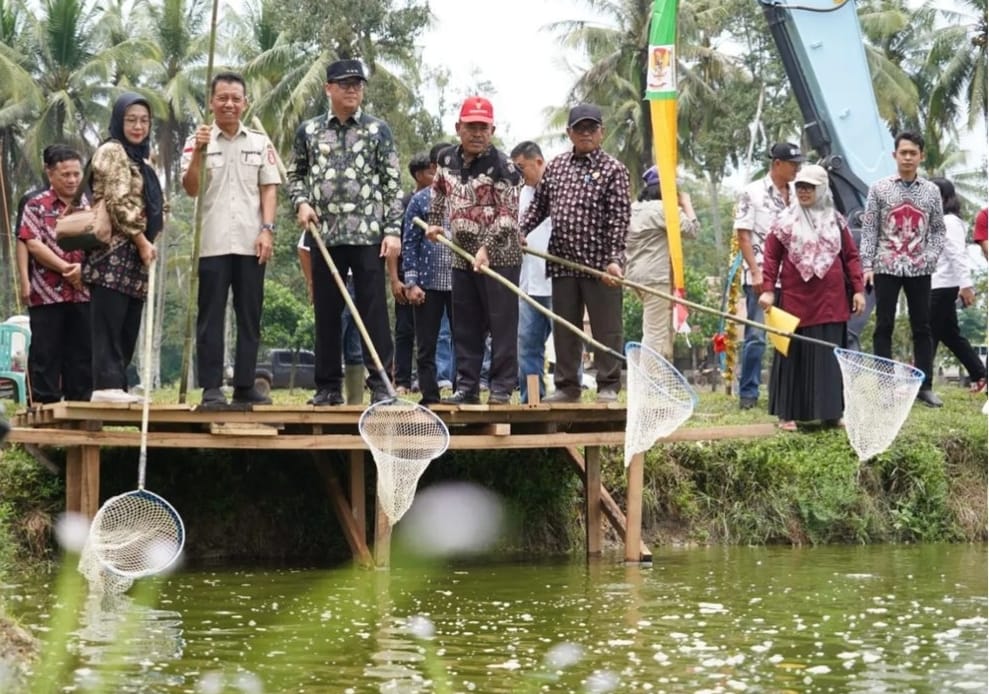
<point>218,275</point>
<point>918,292</point>
<point>405,339</point>
<point>428,317</point>
<point>482,305</point>
<point>944,329</point>
<point>60,359</point>
<point>604,308</point>
<point>116,321</point>
<point>369,288</point>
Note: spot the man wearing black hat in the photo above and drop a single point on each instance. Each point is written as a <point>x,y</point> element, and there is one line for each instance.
<point>344,183</point>
<point>586,194</point>
<point>757,207</point>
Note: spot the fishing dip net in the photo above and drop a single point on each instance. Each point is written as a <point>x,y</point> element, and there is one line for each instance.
<point>878,394</point>
<point>659,399</point>
<point>404,438</point>
<point>133,535</point>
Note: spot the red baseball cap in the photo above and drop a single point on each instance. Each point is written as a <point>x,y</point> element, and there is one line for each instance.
<point>476,109</point>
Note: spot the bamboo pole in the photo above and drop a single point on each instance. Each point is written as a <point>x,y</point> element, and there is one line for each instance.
<point>193,303</point>
<point>12,244</point>
<point>677,299</point>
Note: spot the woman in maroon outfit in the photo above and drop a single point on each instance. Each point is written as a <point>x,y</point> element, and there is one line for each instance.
<point>814,259</point>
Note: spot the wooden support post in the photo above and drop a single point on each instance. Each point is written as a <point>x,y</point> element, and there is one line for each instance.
<point>592,499</point>
<point>633,530</point>
<point>89,493</point>
<point>357,506</point>
<point>343,511</point>
<point>532,386</point>
<point>73,480</point>
<point>382,536</point>
<point>612,512</point>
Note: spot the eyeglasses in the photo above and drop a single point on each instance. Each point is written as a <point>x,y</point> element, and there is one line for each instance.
<point>585,127</point>
<point>131,120</point>
<point>351,85</point>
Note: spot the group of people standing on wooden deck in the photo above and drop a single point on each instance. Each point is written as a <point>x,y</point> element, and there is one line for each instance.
<point>343,183</point>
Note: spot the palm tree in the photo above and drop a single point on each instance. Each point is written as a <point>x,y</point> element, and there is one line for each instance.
<point>60,82</point>
<point>957,60</point>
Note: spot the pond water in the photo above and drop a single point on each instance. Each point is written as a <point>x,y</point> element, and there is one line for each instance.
<point>878,618</point>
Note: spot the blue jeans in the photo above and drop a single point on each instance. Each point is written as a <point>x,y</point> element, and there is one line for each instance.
<point>534,330</point>
<point>446,364</point>
<point>352,347</point>
<point>752,349</point>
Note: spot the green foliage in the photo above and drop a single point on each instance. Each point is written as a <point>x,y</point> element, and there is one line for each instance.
<point>30,497</point>
<point>632,317</point>
<point>287,320</point>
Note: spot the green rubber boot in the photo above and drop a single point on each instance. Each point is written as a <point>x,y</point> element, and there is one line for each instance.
<point>353,384</point>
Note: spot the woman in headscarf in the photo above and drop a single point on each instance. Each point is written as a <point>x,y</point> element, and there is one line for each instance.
<point>810,252</point>
<point>952,280</point>
<point>118,273</point>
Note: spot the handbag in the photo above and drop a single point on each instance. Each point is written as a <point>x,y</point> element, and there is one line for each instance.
<point>82,229</point>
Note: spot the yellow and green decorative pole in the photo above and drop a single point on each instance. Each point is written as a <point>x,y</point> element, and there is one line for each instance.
<point>661,91</point>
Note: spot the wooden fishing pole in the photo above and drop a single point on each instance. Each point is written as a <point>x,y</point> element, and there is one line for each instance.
<point>522,295</point>
<point>197,229</point>
<point>669,297</point>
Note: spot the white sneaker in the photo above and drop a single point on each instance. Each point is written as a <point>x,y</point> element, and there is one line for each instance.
<point>114,395</point>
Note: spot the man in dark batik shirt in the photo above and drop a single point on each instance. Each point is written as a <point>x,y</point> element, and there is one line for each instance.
<point>344,180</point>
<point>476,188</point>
<point>585,193</point>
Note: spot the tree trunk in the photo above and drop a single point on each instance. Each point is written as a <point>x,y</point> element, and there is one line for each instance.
<point>712,187</point>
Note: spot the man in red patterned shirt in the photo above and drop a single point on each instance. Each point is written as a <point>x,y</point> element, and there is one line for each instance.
<point>59,360</point>
<point>476,188</point>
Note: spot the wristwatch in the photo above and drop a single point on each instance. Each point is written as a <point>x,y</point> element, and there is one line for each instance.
<point>268,226</point>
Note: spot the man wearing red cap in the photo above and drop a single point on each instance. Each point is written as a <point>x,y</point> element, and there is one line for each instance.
<point>476,188</point>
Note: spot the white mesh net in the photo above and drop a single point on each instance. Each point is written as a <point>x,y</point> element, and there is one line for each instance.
<point>878,396</point>
<point>132,535</point>
<point>659,399</point>
<point>404,438</point>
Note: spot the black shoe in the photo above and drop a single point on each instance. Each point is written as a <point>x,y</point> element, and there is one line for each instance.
<point>499,398</point>
<point>559,396</point>
<point>381,394</point>
<point>250,396</point>
<point>325,397</point>
<point>929,398</point>
<point>747,403</point>
<point>213,399</point>
<point>461,398</point>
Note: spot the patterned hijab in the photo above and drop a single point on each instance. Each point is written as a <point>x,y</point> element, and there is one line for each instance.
<point>811,234</point>
<point>139,154</point>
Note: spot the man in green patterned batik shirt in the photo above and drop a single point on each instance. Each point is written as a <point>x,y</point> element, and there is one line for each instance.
<point>344,181</point>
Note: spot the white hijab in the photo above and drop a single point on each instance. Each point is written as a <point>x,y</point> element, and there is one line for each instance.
<point>811,234</point>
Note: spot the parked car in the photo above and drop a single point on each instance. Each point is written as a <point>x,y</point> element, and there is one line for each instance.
<point>282,368</point>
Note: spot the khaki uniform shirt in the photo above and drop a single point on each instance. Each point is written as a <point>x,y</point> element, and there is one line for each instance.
<point>237,168</point>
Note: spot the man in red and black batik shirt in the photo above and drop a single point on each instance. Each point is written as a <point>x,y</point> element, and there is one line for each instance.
<point>476,188</point>
<point>60,357</point>
<point>585,193</point>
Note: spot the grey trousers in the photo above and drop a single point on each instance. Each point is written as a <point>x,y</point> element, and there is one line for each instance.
<point>571,295</point>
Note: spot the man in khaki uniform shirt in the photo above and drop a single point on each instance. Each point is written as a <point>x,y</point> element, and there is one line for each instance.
<point>237,237</point>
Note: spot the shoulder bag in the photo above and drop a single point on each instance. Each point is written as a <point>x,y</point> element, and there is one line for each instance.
<point>81,229</point>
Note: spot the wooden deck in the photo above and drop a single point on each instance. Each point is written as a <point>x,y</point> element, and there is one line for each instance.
<point>83,428</point>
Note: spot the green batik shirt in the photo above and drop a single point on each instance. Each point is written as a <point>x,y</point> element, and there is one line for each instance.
<point>348,172</point>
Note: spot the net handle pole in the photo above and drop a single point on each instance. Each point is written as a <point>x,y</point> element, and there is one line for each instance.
<point>677,299</point>
<point>149,321</point>
<point>522,295</point>
<point>341,285</point>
